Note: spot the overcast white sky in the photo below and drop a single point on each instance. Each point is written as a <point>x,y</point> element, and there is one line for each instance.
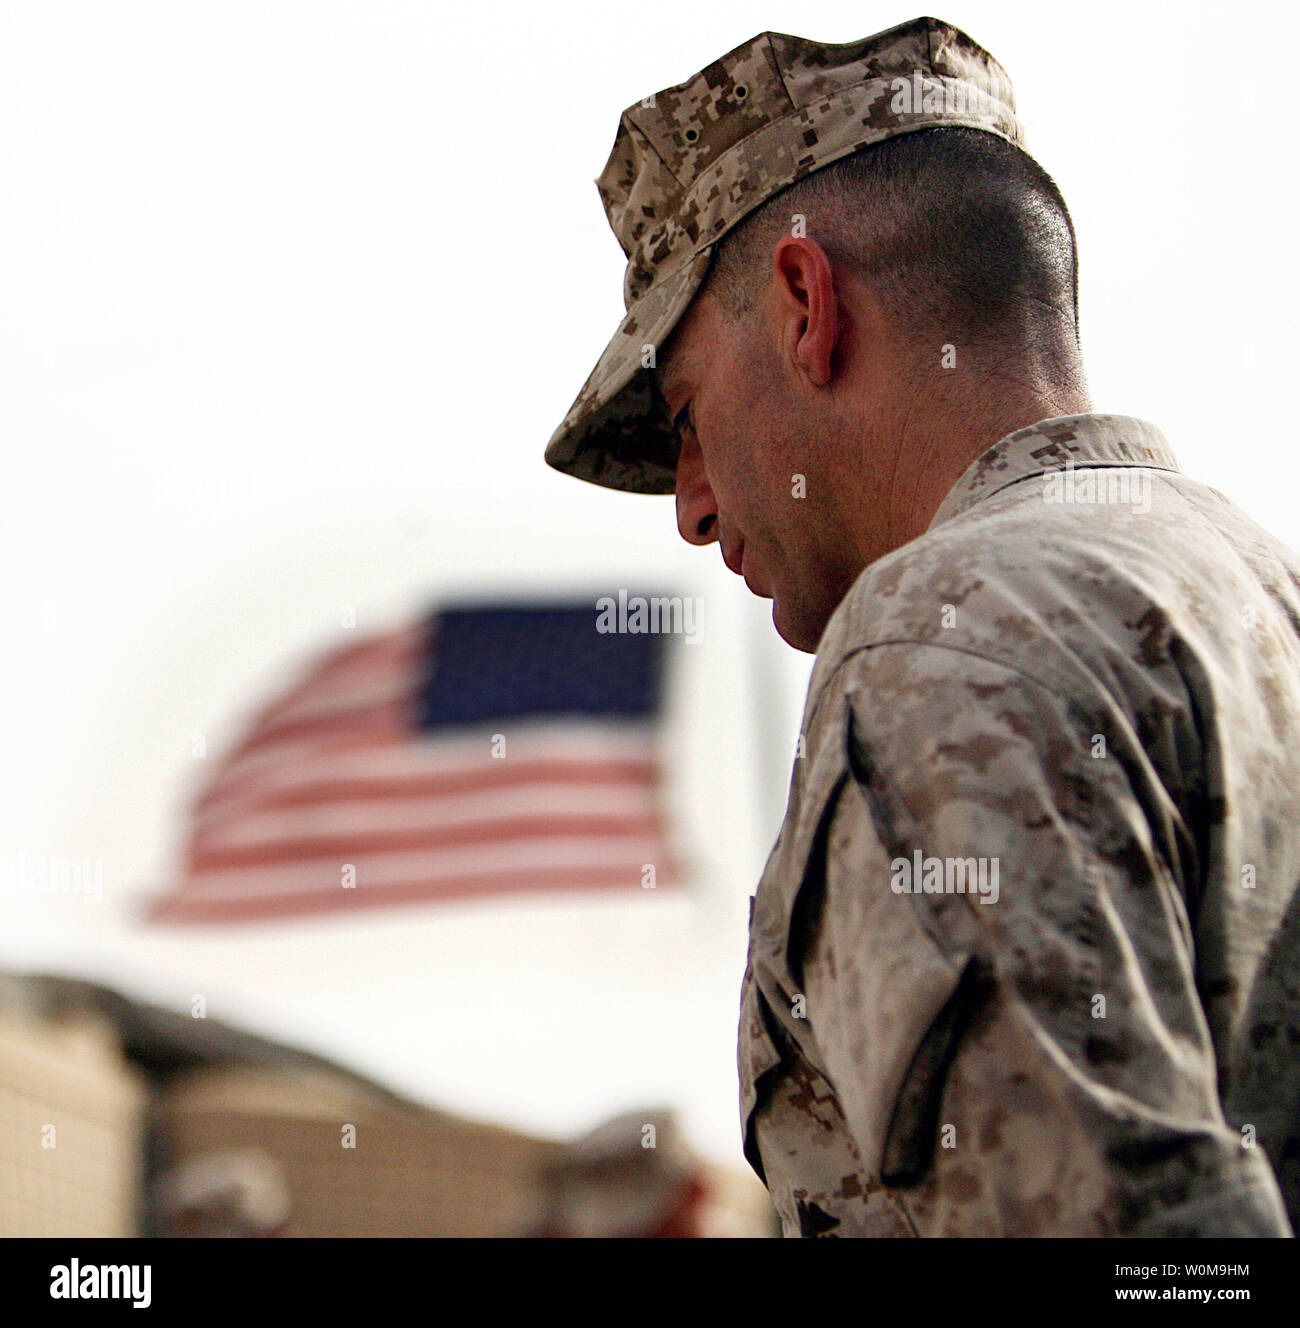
<point>291,297</point>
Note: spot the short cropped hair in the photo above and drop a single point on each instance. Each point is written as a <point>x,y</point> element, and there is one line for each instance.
<point>960,234</point>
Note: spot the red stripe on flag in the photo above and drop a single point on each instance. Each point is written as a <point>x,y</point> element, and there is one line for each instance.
<point>307,792</point>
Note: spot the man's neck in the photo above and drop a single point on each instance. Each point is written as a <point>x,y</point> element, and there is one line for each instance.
<point>937,448</point>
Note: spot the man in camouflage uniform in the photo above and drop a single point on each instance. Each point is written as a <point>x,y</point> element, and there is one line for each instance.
<point>1024,957</point>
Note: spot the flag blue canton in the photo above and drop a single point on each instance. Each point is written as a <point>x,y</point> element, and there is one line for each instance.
<point>493,663</point>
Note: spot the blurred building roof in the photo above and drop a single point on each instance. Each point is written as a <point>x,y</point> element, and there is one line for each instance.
<point>168,1124</point>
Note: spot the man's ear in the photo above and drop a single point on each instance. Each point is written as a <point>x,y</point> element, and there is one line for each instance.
<point>807,306</point>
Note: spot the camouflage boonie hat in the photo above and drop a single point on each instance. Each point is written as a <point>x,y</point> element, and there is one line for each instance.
<point>690,162</point>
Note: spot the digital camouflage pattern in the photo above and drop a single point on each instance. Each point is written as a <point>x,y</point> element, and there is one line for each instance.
<point>1086,671</point>
<point>690,162</point>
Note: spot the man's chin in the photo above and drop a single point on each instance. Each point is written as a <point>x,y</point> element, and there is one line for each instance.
<point>792,632</point>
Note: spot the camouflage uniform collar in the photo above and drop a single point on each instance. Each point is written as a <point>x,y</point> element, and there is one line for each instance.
<point>1055,444</point>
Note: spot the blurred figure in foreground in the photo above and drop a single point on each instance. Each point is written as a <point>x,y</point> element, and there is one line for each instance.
<point>232,1192</point>
<point>632,1177</point>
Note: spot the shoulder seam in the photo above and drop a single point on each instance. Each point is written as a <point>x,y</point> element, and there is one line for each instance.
<point>852,654</point>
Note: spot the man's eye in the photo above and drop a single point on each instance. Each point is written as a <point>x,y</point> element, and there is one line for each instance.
<point>682,421</point>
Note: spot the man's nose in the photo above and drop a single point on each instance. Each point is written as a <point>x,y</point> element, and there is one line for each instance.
<point>697,509</point>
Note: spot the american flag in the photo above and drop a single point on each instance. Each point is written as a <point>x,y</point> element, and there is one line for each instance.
<point>481,750</point>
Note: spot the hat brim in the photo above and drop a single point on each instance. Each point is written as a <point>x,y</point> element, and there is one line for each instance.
<point>617,433</point>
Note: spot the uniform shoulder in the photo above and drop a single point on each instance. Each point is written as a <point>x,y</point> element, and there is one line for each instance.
<point>1035,589</point>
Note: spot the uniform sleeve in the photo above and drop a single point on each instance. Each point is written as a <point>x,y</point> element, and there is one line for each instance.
<point>990,864</point>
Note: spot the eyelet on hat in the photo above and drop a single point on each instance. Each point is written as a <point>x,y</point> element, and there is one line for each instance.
<point>691,134</point>
<point>741,92</point>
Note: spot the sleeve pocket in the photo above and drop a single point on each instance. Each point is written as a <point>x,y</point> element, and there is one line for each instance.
<point>887,1002</point>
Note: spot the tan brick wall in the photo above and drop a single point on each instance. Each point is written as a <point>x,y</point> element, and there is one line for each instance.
<point>71,1116</point>
<point>411,1173</point>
